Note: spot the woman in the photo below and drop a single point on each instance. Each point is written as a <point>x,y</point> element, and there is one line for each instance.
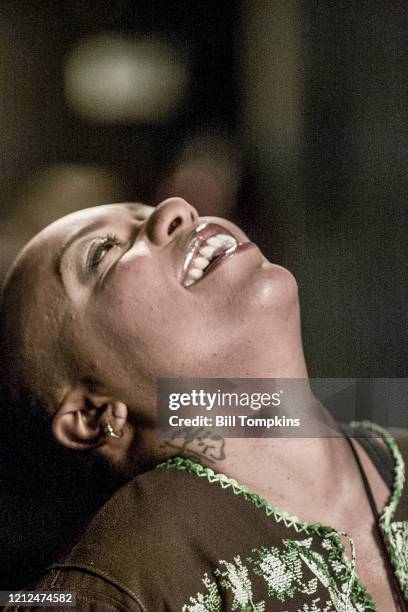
<point>121,295</point>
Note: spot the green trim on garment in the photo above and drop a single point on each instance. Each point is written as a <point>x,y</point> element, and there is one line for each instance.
<point>181,463</point>
<point>395,533</point>
<point>398,560</point>
<point>188,465</point>
<point>399,470</point>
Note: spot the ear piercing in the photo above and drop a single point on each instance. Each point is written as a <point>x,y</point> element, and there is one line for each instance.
<point>112,433</point>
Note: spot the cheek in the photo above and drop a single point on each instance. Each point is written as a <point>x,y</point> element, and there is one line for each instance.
<point>158,332</point>
<point>137,314</point>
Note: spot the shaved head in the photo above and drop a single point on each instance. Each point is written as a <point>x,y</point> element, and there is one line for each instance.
<point>31,330</point>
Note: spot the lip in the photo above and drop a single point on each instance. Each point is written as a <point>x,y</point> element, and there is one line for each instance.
<point>198,238</point>
<point>238,248</point>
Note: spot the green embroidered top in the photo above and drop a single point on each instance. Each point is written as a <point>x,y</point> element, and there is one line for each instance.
<point>184,538</point>
<point>282,567</point>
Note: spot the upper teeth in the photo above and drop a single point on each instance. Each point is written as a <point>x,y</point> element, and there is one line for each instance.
<point>207,251</point>
<point>205,255</point>
<point>201,262</point>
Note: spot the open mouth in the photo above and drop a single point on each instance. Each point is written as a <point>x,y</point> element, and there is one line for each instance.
<point>209,244</point>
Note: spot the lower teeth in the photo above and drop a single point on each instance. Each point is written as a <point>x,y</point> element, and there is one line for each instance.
<point>196,273</point>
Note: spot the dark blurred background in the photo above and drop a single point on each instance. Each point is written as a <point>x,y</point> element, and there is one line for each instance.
<point>288,116</point>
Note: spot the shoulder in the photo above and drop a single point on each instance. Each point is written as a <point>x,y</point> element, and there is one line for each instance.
<point>153,522</point>
<point>161,499</point>
<point>153,528</point>
<point>141,528</point>
<point>174,497</point>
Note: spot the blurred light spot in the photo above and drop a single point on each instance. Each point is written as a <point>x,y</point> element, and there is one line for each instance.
<point>110,78</point>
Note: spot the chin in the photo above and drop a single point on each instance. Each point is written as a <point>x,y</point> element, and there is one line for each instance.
<point>274,287</point>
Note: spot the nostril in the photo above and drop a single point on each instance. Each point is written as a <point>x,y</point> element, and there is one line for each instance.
<point>174,225</point>
<point>192,217</point>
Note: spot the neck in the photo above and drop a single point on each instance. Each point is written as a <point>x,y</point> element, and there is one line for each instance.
<point>277,468</point>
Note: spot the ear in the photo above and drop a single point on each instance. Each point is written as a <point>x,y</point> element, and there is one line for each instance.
<point>81,419</point>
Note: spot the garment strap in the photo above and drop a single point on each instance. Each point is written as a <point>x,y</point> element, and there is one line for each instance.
<point>366,484</point>
<point>379,454</point>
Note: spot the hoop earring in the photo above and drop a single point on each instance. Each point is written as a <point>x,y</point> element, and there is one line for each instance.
<point>112,433</point>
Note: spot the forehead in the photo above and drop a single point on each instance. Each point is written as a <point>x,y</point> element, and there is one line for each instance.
<point>103,214</point>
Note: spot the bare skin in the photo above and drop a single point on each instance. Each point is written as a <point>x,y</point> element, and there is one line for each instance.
<point>129,320</point>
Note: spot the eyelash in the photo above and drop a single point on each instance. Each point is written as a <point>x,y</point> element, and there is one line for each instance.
<point>99,249</point>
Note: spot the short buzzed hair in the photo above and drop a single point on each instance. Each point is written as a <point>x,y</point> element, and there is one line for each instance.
<point>30,363</point>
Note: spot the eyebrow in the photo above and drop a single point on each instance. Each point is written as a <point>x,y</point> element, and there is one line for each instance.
<point>84,231</point>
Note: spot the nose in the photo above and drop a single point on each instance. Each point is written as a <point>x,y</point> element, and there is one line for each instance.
<point>169,219</point>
